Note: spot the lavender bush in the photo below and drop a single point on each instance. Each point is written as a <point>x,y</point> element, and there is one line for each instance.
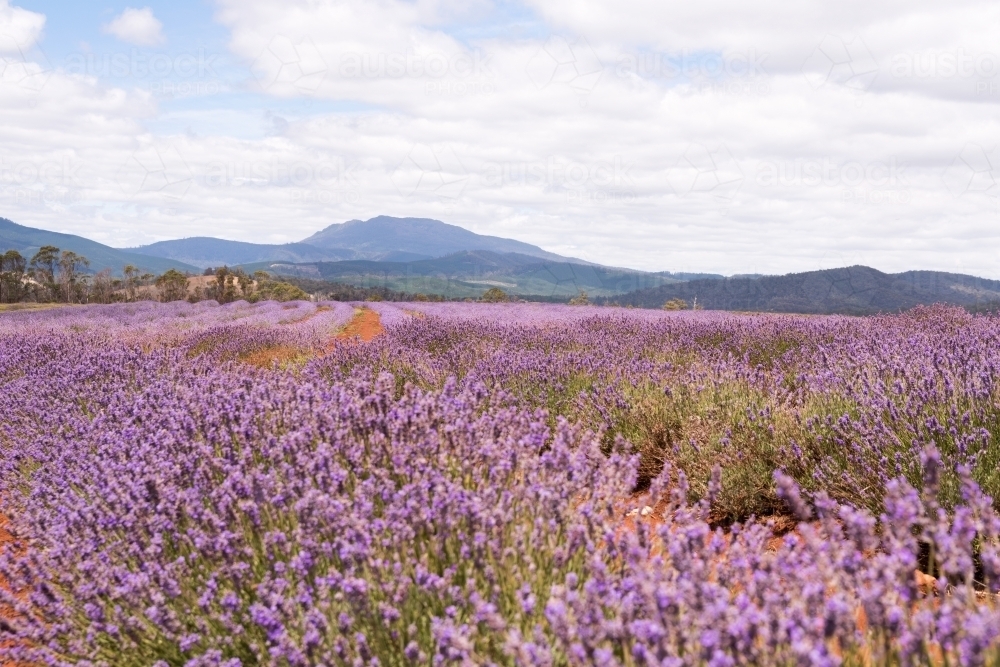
<point>508,485</point>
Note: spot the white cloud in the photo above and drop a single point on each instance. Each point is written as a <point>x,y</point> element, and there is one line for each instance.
<point>630,133</point>
<point>19,28</point>
<point>137,26</point>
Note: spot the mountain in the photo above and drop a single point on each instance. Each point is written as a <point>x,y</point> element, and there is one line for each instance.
<point>682,276</point>
<point>393,253</point>
<point>206,251</point>
<point>470,273</point>
<point>27,241</point>
<point>380,239</point>
<point>856,290</point>
<point>420,236</point>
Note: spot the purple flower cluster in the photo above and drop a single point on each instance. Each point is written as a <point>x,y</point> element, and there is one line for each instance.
<point>842,404</point>
<point>477,486</point>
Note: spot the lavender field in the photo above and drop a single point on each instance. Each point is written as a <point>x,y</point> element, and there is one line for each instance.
<point>510,484</point>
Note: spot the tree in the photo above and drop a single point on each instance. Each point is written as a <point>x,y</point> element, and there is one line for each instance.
<point>675,304</point>
<point>231,285</point>
<point>580,299</point>
<point>72,285</point>
<point>268,289</point>
<point>226,283</point>
<point>245,282</point>
<point>102,289</point>
<point>131,283</point>
<point>495,295</point>
<point>43,270</point>
<point>287,292</point>
<point>13,287</point>
<point>172,286</point>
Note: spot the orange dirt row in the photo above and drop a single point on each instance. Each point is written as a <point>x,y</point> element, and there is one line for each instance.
<point>6,542</point>
<point>366,324</point>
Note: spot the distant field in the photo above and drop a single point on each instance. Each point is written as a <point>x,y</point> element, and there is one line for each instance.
<point>8,307</point>
<point>469,274</point>
<point>509,484</point>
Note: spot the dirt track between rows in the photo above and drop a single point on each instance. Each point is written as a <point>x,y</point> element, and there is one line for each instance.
<point>366,325</point>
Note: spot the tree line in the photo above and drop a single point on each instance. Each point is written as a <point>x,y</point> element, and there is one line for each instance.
<point>52,275</point>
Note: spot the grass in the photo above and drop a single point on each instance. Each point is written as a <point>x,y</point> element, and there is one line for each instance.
<point>14,307</point>
<point>751,433</point>
<point>282,356</point>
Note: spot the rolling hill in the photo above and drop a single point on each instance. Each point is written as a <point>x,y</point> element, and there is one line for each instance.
<point>382,238</point>
<point>382,235</point>
<point>393,253</point>
<point>470,273</point>
<point>205,251</point>
<point>27,241</point>
<point>856,290</point>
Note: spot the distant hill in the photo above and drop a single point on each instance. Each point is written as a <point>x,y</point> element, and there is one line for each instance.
<point>27,241</point>
<point>856,290</point>
<point>470,273</point>
<point>206,251</point>
<point>420,255</point>
<point>423,237</point>
<point>682,276</point>
<point>382,238</point>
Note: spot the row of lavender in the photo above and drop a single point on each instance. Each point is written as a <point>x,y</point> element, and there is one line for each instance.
<point>843,404</point>
<point>463,489</point>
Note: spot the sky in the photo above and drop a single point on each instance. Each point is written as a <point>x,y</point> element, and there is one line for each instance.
<point>718,136</point>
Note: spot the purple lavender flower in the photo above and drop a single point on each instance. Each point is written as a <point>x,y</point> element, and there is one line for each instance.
<point>512,484</point>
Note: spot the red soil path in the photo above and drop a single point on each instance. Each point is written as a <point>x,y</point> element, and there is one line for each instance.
<point>6,541</point>
<point>267,357</point>
<point>366,324</point>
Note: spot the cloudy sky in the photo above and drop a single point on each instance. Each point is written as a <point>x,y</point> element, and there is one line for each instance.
<point>715,136</point>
